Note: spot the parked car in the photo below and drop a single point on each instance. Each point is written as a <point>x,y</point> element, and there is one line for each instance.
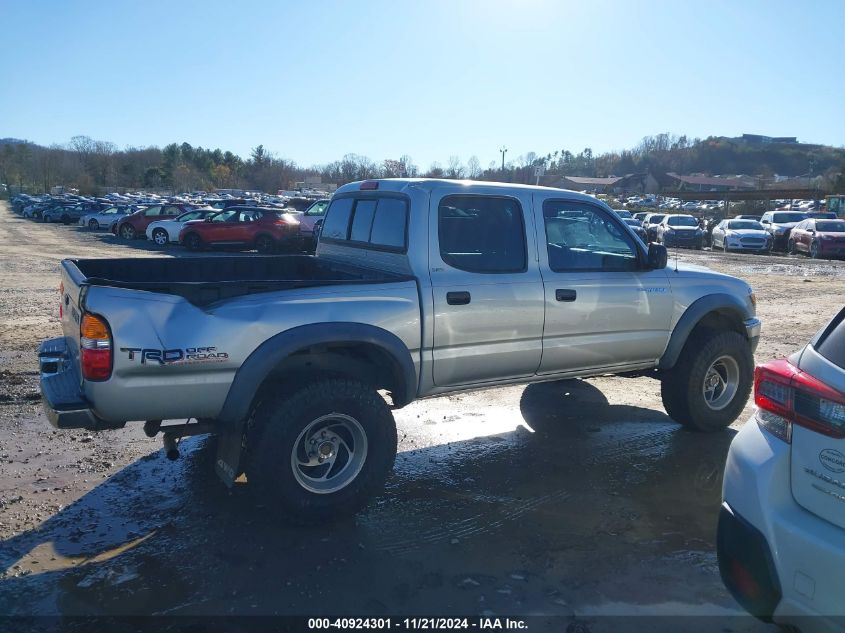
<point>741,235</point>
<point>310,217</point>
<point>779,224</point>
<point>66,214</point>
<point>641,216</point>
<point>637,228</point>
<point>818,238</point>
<point>286,358</point>
<point>680,230</point>
<point>135,224</point>
<point>103,219</point>
<point>650,225</point>
<point>622,213</point>
<point>781,531</point>
<point>265,230</point>
<point>822,215</point>
<point>749,216</point>
<point>164,231</point>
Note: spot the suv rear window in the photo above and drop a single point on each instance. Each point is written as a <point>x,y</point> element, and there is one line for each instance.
<point>832,345</point>
<point>379,223</point>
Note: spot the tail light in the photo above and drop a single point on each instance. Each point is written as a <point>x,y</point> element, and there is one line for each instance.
<point>95,344</point>
<point>61,300</point>
<point>785,395</point>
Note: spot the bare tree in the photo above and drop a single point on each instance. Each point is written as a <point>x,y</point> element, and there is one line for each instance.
<point>473,168</point>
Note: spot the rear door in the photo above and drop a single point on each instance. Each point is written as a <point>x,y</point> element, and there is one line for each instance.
<point>818,443</point>
<point>486,286</point>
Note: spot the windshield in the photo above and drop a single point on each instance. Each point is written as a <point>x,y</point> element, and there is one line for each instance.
<point>738,225</point>
<point>830,226</point>
<point>655,219</point>
<point>682,220</point>
<point>780,218</point>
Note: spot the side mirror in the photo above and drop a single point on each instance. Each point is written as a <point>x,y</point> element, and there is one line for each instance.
<point>658,256</point>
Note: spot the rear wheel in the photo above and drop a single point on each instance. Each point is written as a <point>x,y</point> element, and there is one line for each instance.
<point>160,237</point>
<point>709,386</point>
<point>93,225</point>
<point>320,453</point>
<point>127,232</point>
<point>192,242</point>
<point>265,244</point>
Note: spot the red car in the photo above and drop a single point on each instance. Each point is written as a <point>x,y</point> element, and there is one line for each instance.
<point>265,230</point>
<point>135,224</point>
<point>818,238</point>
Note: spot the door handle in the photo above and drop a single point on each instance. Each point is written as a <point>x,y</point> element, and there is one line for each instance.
<point>564,294</point>
<point>457,298</point>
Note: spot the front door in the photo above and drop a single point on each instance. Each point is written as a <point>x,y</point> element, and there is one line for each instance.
<point>603,307</point>
<point>487,290</point>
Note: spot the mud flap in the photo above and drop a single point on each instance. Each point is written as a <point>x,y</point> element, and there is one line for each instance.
<point>227,462</point>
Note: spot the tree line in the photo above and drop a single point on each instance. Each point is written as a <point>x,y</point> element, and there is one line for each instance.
<point>95,166</point>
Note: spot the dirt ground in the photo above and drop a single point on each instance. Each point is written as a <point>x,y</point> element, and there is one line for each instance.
<point>577,500</point>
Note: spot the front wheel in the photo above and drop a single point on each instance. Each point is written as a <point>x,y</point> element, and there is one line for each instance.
<point>790,247</point>
<point>93,225</point>
<point>160,237</point>
<point>320,453</point>
<point>709,386</point>
<point>192,242</point>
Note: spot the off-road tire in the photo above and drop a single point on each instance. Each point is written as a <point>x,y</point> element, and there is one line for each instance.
<point>681,387</point>
<point>272,432</point>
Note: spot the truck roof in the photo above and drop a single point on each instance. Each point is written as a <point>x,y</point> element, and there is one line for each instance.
<point>429,184</point>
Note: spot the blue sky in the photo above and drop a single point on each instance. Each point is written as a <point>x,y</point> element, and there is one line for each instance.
<point>315,80</point>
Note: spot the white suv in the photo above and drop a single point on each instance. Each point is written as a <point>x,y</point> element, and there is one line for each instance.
<point>781,536</point>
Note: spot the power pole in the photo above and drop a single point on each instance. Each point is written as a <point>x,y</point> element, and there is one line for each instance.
<point>503,150</point>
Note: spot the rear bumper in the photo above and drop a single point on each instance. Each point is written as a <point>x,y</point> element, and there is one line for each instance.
<point>776,558</point>
<point>61,393</point>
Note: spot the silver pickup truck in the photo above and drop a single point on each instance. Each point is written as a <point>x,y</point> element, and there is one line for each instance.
<point>418,288</point>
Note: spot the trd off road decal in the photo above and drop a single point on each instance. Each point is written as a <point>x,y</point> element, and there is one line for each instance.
<point>174,356</point>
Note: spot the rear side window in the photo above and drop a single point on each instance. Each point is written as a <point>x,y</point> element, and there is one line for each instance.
<point>379,223</point>
<point>482,234</point>
<point>832,346</point>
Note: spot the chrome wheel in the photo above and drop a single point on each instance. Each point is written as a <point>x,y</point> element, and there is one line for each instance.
<point>329,453</point>
<point>160,237</point>
<point>721,382</point>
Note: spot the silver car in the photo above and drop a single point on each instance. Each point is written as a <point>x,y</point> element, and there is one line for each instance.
<point>103,219</point>
<point>741,235</point>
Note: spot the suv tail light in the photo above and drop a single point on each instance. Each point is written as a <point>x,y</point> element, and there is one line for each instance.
<point>786,395</point>
<point>95,353</point>
<point>61,300</point>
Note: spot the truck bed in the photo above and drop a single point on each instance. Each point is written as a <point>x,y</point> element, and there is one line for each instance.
<point>206,280</point>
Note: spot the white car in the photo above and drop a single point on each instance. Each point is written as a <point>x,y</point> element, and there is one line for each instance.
<point>164,231</point>
<point>781,534</point>
<point>741,235</point>
<point>103,219</point>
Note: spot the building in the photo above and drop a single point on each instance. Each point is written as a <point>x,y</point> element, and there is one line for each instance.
<point>759,139</point>
<point>631,183</point>
<point>673,181</point>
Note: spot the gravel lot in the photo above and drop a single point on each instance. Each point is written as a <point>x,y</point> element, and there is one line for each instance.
<point>578,499</point>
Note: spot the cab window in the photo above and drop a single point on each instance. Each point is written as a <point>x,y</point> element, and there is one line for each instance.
<point>482,234</point>
<point>582,237</point>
